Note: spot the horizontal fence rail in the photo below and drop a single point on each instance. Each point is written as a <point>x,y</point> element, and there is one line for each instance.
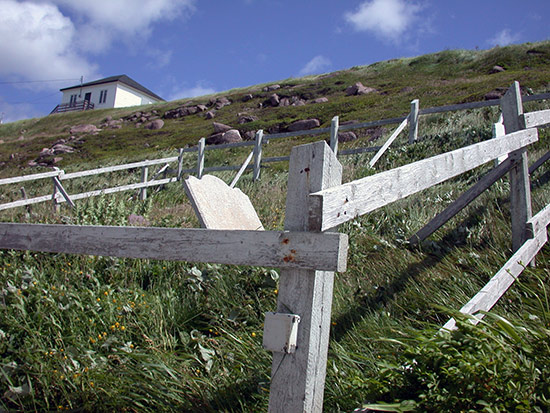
<point>260,248</point>
<point>337,205</point>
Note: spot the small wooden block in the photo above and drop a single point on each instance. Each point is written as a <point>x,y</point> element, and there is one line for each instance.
<point>219,206</point>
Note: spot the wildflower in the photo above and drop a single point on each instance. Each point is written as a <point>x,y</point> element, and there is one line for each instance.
<point>106,293</point>
<point>253,334</point>
<point>122,328</point>
<point>98,299</point>
<point>91,384</point>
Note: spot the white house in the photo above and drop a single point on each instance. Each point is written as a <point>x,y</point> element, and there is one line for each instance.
<point>111,92</point>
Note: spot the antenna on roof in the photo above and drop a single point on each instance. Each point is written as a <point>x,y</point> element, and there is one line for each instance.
<point>81,79</point>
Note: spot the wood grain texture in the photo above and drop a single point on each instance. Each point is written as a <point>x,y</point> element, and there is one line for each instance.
<point>334,206</point>
<point>413,121</point>
<point>535,119</point>
<point>388,142</point>
<point>33,177</point>
<point>115,168</point>
<point>539,162</point>
<point>297,379</point>
<point>334,126</point>
<point>257,155</point>
<point>488,296</point>
<point>241,171</point>
<point>218,206</point>
<point>260,248</point>
<point>520,190</point>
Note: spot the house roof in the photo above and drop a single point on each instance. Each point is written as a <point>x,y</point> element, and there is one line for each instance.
<point>120,78</point>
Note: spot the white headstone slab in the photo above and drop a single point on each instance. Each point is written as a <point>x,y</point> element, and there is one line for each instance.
<point>219,206</point>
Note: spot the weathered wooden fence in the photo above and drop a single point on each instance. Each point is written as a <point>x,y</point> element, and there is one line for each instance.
<point>308,251</point>
<point>60,195</point>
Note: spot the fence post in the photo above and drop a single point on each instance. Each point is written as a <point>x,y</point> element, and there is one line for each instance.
<point>56,206</point>
<point>180,163</point>
<point>298,379</point>
<point>334,125</point>
<point>200,160</point>
<point>413,121</point>
<point>258,154</point>
<point>520,191</point>
<point>144,177</point>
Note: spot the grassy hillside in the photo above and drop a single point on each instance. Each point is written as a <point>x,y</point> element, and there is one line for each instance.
<point>452,76</point>
<point>88,333</point>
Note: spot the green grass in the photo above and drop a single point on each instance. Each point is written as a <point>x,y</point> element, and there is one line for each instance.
<point>101,334</point>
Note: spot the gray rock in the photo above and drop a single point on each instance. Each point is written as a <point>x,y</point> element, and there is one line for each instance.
<point>346,136</point>
<point>284,102</point>
<point>274,100</point>
<point>249,135</point>
<point>210,115</point>
<point>220,127</point>
<point>359,89</point>
<point>247,97</point>
<point>61,148</point>
<point>304,124</point>
<point>245,118</point>
<point>497,69</point>
<point>154,125</point>
<point>84,129</point>
<point>221,102</point>
<point>320,100</point>
<point>202,108</point>
<point>271,88</point>
<point>231,136</point>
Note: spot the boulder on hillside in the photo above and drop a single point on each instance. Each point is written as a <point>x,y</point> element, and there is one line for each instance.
<point>221,102</point>
<point>247,97</point>
<point>245,118</point>
<point>249,135</point>
<point>320,100</point>
<point>495,94</point>
<point>220,127</point>
<point>359,89</point>
<point>231,136</point>
<point>304,124</point>
<point>61,148</point>
<point>346,136</point>
<point>274,100</point>
<point>496,69</point>
<point>84,129</point>
<point>209,115</point>
<point>154,125</point>
<point>271,88</point>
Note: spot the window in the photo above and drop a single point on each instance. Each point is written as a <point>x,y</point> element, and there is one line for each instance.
<point>102,96</point>
<point>72,102</point>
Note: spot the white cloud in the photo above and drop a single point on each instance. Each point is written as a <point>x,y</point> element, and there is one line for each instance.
<point>315,65</point>
<point>201,88</point>
<point>504,38</point>
<point>128,17</point>
<point>40,43</point>
<point>388,19</point>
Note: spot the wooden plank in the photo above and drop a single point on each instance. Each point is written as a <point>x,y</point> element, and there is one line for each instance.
<point>312,132</point>
<point>334,125</point>
<point>462,201</point>
<point>388,142</point>
<point>115,168</point>
<point>144,179</point>
<point>180,164</point>
<point>241,171</point>
<point>535,119</point>
<point>531,98</point>
<point>62,191</point>
<point>130,187</point>
<point>33,177</point>
<point>334,206</point>
<point>200,158</point>
<point>260,248</point>
<point>229,145</point>
<point>358,150</point>
<point>219,206</point>
<point>276,159</point>
<point>520,190</point>
<point>539,162</point>
<point>24,202</point>
<point>257,155</point>
<point>485,299</point>
<point>539,222</point>
<point>297,379</point>
<point>373,124</point>
<point>413,121</point>
<point>460,106</point>
<point>223,168</point>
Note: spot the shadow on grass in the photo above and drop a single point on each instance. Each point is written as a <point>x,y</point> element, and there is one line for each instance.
<point>385,294</point>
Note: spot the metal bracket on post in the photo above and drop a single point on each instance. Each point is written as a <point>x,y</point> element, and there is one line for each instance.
<point>280,332</point>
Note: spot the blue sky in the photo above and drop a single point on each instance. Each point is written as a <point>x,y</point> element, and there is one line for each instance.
<point>186,48</point>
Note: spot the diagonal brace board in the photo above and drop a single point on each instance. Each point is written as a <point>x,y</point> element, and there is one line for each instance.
<point>463,201</point>
<point>334,206</point>
<point>282,249</point>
